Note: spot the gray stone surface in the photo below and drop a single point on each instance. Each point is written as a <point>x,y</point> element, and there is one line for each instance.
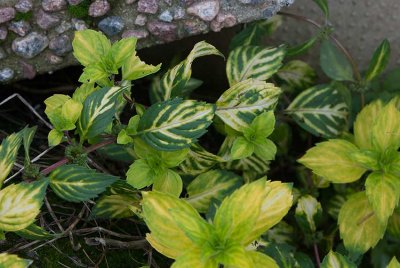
<point>44,47</point>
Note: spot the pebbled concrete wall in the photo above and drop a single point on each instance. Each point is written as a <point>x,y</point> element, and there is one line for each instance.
<point>35,35</point>
<point>359,24</point>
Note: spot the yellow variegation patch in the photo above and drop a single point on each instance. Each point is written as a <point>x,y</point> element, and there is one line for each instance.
<point>13,261</point>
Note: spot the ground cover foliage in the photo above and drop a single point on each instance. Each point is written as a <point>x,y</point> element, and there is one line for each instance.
<point>184,182</point>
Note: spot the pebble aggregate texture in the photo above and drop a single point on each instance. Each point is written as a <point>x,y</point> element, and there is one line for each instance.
<point>36,35</point>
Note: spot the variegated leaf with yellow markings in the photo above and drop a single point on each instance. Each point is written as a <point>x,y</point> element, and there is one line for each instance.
<point>240,104</point>
<point>379,61</point>
<point>214,184</point>
<point>326,158</point>
<point>34,232</point>
<point>76,183</point>
<point>273,208</point>
<point>321,110</point>
<point>89,46</point>
<point>27,138</point>
<point>122,50</point>
<point>383,194</point>
<point>253,62</point>
<point>297,74</point>
<point>116,206</point>
<point>8,154</point>
<point>13,261</point>
<point>359,227</point>
<point>175,79</point>
<point>98,111</point>
<point>362,125</point>
<point>133,68</point>
<point>20,204</point>
<point>166,236</point>
<point>175,124</point>
<point>336,260</point>
<point>308,213</point>
<point>198,161</point>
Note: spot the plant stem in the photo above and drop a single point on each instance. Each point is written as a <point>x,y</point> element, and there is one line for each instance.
<point>63,161</point>
<point>336,41</point>
<point>316,253</point>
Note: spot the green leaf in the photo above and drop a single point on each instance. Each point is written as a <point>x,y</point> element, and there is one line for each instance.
<point>198,160</point>
<point>239,105</point>
<point>383,194</point>
<point>386,129</point>
<point>261,260</point>
<point>76,184</point>
<point>20,204</point>
<point>238,213</point>
<point>265,149</point>
<point>321,110</point>
<point>214,184</point>
<point>98,111</point>
<point>89,46</point>
<point>308,213</point>
<point>116,206</point>
<point>254,33</point>
<point>297,74</point>
<point>34,232</point>
<point>140,174</point>
<point>263,125</point>
<point>253,62</point>
<point>362,125</point>
<point>123,49</point>
<point>323,5</point>
<point>13,261</point>
<point>301,48</point>
<point>241,148</point>
<point>334,63</point>
<point>336,260</point>
<point>393,263</point>
<point>134,68</point>
<point>55,137</point>
<point>27,138</point>
<point>57,110</point>
<point>194,259</point>
<point>166,235</point>
<point>81,93</point>
<point>175,79</point>
<point>123,137</point>
<point>327,158</point>
<point>168,182</point>
<point>359,227</point>
<point>175,124</point>
<point>379,61</point>
<point>8,154</point>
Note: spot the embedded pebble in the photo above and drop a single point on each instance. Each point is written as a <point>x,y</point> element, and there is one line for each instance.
<point>99,8</point>
<point>169,2</point>
<point>111,25</point>
<point>6,74</point>
<point>245,1</point>
<point>179,13</point>
<point>53,5</point>
<point>166,16</point>
<point>222,20</point>
<point>141,20</point>
<point>31,45</point>
<point>139,34</point>
<point>78,24</point>
<point>20,27</point>
<point>45,20</point>
<point>74,2</point>
<point>53,59</point>
<point>63,27</point>
<point>60,45</point>
<point>3,32</point>
<point>28,71</point>
<point>148,6</point>
<point>130,2</point>
<point>205,10</point>
<point>24,6</point>
<point>163,30</point>
<point>193,27</point>
<point>3,54</point>
<point>6,14</point>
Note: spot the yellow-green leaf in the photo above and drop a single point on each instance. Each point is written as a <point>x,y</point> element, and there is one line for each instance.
<point>273,208</point>
<point>359,227</point>
<point>20,204</point>
<point>122,49</point>
<point>393,263</point>
<point>261,260</point>
<point>241,148</point>
<point>116,206</point>
<point>383,192</point>
<point>308,213</point>
<point>168,182</point>
<point>336,260</point>
<point>89,46</point>
<point>329,157</point>
<point>8,154</point>
<point>362,126</point>
<point>13,261</point>
<point>55,137</point>
<point>133,68</point>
